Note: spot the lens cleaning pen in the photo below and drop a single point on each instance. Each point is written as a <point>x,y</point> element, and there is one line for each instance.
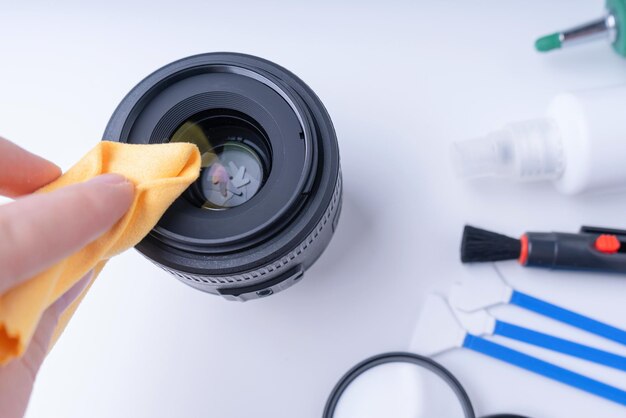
<point>611,26</point>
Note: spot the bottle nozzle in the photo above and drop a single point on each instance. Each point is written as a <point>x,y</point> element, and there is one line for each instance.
<point>524,151</point>
<point>478,157</point>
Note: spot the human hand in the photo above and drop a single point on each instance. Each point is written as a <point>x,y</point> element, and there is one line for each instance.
<point>37,231</point>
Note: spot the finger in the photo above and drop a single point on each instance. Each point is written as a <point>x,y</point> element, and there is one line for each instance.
<point>38,347</point>
<point>17,377</point>
<point>22,172</point>
<point>38,230</point>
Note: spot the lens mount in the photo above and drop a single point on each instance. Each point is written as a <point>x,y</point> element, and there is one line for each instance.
<point>269,194</point>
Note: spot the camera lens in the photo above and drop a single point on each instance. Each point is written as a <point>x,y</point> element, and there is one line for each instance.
<point>268,197</point>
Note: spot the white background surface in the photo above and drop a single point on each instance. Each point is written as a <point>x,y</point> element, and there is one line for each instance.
<point>401,80</point>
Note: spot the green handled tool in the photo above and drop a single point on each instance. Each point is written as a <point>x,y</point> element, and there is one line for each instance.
<point>611,26</point>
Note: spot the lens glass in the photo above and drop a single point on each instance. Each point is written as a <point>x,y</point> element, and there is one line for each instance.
<point>235,158</point>
<point>400,390</point>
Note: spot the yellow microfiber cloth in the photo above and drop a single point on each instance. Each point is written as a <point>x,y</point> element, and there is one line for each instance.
<point>160,173</point>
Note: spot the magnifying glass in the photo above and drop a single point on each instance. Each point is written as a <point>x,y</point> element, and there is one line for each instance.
<point>400,385</point>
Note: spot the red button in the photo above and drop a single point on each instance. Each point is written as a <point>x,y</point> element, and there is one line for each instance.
<point>608,244</point>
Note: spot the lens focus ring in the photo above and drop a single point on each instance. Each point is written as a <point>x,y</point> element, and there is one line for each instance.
<point>238,283</point>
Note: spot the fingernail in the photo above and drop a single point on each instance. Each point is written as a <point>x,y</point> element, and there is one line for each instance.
<point>112,179</point>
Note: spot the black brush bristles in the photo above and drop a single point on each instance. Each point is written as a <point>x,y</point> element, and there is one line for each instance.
<point>480,245</point>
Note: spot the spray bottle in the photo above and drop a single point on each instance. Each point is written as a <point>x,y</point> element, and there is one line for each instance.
<point>579,145</point>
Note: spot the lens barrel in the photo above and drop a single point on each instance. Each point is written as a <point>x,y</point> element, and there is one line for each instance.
<point>269,195</point>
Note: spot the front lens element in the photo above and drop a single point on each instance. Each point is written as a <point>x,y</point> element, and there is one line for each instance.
<point>235,159</point>
<point>233,176</point>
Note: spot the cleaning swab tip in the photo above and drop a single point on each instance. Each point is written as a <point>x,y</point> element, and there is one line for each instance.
<point>548,42</point>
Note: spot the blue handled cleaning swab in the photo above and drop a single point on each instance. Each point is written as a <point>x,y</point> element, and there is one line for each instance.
<point>438,330</point>
<point>566,316</point>
<point>492,290</point>
<point>482,323</point>
<point>549,370</point>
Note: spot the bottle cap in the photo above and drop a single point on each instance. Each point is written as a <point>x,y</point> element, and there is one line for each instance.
<point>524,151</point>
